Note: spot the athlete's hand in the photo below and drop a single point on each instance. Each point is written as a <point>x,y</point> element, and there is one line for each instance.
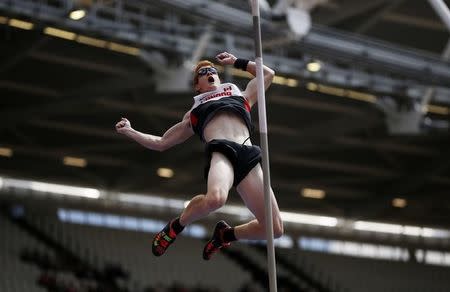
<point>226,58</point>
<point>123,126</point>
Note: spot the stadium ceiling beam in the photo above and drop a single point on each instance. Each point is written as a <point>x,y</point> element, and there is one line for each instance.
<point>334,166</point>
<point>316,105</point>
<point>369,54</point>
<point>324,132</point>
<point>349,143</point>
<point>45,152</point>
<point>335,45</point>
<point>106,133</point>
<point>321,42</point>
<point>89,92</point>
<point>414,181</point>
<point>103,147</point>
<point>22,53</point>
<point>445,180</point>
<point>371,21</point>
<point>29,89</point>
<point>111,86</point>
<point>80,63</point>
<point>386,146</point>
<point>154,110</point>
<point>338,127</point>
<point>347,10</point>
<point>414,21</point>
<point>220,13</point>
<point>75,128</point>
<point>336,191</point>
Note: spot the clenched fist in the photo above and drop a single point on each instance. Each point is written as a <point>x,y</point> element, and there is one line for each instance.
<point>226,58</point>
<point>123,125</point>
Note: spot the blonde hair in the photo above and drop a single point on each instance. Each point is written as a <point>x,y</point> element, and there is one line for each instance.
<point>200,64</point>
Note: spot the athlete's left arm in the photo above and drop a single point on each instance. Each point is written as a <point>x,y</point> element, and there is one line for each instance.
<point>251,90</point>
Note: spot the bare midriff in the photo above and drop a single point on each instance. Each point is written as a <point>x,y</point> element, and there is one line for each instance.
<point>228,126</point>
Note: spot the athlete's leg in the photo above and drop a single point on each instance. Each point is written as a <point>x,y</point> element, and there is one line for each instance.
<point>220,181</point>
<point>251,189</point>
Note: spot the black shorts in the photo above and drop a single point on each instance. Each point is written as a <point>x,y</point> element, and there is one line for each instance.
<point>243,158</point>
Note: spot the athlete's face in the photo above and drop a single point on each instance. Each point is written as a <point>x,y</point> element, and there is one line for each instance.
<point>208,79</point>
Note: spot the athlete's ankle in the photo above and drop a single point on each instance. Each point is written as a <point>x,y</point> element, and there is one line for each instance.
<point>229,235</point>
<point>176,226</point>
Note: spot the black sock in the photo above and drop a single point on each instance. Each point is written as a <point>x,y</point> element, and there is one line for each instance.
<point>176,225</point>
<point>228,235</point>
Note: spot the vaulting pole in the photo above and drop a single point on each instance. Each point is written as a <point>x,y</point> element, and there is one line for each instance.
<point>264,146</point>
<point>442,10</point>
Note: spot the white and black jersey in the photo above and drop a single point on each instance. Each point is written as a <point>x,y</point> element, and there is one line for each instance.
<point>227,97</point>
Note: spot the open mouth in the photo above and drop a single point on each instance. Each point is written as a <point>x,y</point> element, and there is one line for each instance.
<point>211,79</point>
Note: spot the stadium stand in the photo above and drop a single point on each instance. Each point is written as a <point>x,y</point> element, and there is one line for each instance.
<point>369,275</point>
<point>43,252</point>
<point>131,250</point>
<point>17,275</point>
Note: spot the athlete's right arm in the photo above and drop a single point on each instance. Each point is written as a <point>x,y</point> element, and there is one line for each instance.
<point>177,134</point>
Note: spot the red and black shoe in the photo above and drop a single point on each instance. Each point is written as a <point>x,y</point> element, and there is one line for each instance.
<point>216,242</point>
<point>163,240</point>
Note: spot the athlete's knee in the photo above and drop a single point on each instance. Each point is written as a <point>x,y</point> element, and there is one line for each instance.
<point>278,228</point>
<point>216,198</point>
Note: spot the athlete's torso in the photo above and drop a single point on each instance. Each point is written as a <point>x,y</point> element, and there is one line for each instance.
<point>221,114</point>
